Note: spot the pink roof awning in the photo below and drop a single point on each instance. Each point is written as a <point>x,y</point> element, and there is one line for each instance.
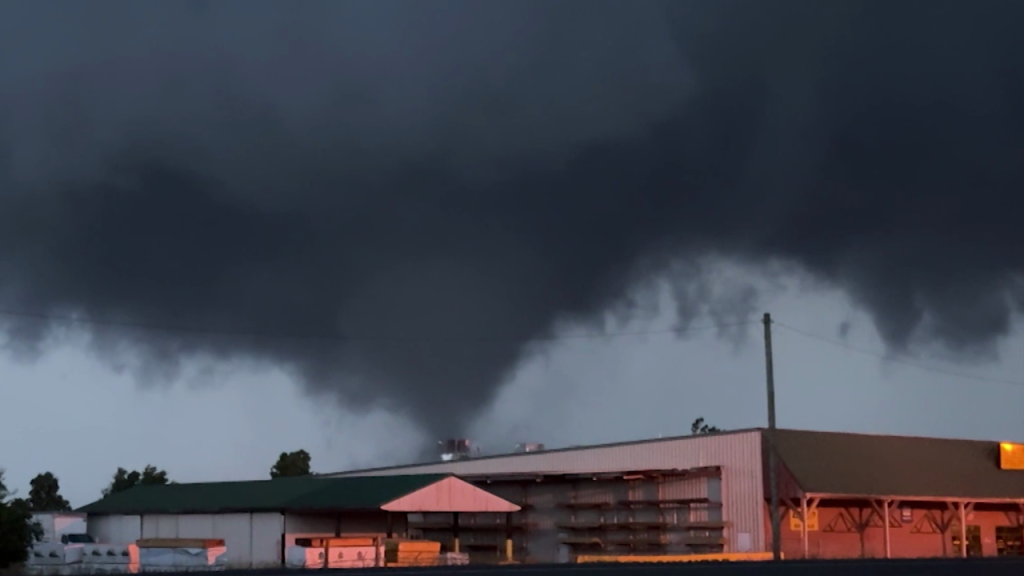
<point>450,495</point>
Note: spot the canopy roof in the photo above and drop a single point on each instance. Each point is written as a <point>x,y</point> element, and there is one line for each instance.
<point>841,464</point>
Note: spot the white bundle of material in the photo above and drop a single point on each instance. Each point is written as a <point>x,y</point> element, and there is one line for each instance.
<point>55,570</point>
<point>302,557</point>
<point>119,554</point>
<point>355,557</point>
<point>54,554</point>
<point>157,559</point>
<point>102,569</point>
<point>455,559</point>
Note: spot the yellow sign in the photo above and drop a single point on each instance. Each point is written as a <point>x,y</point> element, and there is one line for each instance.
<point>1011,456</point>
<point>812,520</point>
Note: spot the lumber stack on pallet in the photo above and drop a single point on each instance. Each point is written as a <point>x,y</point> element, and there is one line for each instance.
<point>345,551</point>
<point>337,542</point>
<point>181,554</point>
<point>180,543</point>
<point>401,553</point>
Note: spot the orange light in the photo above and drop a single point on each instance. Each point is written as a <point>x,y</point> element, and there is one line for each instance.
<point>1011,456</point>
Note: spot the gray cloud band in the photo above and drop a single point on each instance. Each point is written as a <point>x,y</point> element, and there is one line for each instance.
<point>409,173</point>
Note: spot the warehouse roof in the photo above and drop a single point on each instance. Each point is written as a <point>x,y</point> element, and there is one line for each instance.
<point>308,493</point>
<point>899,466</point>
<point>839,464</point>
<point>452,465</point>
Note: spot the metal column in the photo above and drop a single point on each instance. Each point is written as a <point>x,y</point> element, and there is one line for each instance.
<point>963,530</point>
<point>803,526</point>
<point>455,533</point>
<point>885,520</point>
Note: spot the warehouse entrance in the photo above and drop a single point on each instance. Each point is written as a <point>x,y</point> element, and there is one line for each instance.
<point>973,533</point>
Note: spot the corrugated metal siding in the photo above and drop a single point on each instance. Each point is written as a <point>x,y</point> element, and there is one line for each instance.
<point>115,529</point>
<point>738,454</point>
<point>252,540</point>
<point>267,529</point>
<point>308,526</point>
<point>160,526</point>
<point>235,529</point>
<point>201,526</point>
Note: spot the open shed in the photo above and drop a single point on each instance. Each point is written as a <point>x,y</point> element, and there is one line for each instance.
<point>258,519</point>
<point>897,497</point>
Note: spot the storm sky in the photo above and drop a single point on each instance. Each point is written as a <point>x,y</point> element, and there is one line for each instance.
<point>396,205</point>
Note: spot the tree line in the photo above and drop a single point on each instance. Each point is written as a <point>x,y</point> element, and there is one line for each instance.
<point>18,532</point>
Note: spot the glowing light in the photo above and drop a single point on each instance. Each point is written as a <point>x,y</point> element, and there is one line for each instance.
<point>1011,456</point>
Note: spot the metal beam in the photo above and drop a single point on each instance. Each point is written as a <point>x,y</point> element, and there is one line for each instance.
<point>904,498</point>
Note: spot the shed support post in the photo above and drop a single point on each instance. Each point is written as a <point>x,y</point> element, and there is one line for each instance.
<point>455,532</point>
<point>508,536</point>
<point>391,526</point>
<point>885,520</point>
<point>803,526</point>
<point>963,529</point>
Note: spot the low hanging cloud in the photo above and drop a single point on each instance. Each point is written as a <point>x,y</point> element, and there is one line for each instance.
<point>389,198</point>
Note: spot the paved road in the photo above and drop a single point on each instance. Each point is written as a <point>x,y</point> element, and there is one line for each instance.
<point>937,567</point>
<point>847,568</point>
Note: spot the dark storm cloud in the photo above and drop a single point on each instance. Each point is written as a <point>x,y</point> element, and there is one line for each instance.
<point>414,173</point>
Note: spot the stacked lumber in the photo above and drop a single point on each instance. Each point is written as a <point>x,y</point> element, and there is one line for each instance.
<point>181,554</point>
<point>336,542</point>
<point>180,543</point>
<point>344,551</point>
<point>401,553</point>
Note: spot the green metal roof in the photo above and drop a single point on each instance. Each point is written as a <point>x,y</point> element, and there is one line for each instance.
<point>899,466</point>
<point>307,493</point>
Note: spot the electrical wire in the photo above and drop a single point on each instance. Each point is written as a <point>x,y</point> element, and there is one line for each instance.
<point>338,337</point>
<point>889,358</point>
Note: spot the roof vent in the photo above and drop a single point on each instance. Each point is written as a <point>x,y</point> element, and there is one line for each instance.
<point>455,449</point>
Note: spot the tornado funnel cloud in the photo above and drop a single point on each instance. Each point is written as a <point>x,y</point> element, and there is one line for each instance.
<point>395,201</point>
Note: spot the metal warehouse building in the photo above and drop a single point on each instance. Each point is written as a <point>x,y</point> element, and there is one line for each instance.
<point>862,495</point>
<point>259,519</point>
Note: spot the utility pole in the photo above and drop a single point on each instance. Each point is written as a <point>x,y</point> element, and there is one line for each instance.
<point>773,482</point>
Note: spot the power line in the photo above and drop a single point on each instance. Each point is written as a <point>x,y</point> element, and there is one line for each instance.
<point>895,360</point>
<point>339,337</point>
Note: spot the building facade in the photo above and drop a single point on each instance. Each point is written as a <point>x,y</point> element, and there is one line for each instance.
<point>259,520</point>
<point>709,493</point>
<point>898,497</point>
<point>676,495</point>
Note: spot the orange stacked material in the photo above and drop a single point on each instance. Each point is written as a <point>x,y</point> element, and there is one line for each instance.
<point>400,553</point>
<point>336,542</point>
<point>724,557</point>
<point>180,543</point>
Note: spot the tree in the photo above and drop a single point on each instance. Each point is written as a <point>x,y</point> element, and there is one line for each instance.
<point>45,494</point>
<point>17,530</point>
<point>291,464</point>
<point>123,479</point>
<point>699,427</point>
